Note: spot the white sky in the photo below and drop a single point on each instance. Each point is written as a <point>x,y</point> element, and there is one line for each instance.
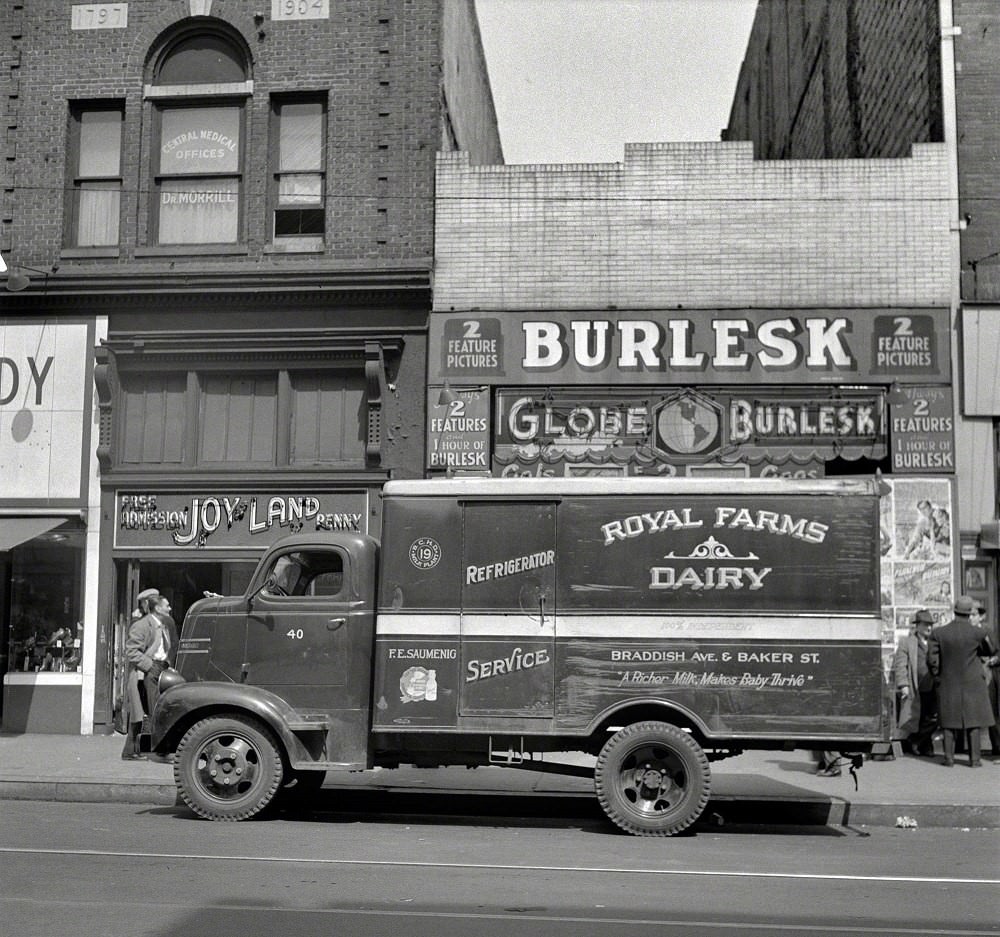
<point>574,80</point>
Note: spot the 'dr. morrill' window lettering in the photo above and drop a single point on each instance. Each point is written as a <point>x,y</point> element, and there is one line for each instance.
<point>198,157</point>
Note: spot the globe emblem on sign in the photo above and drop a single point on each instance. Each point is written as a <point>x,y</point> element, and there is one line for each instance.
<point>687,426</point>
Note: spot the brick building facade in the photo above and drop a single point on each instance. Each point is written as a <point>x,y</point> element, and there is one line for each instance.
<point>238,200</point>
<point>846,78</point>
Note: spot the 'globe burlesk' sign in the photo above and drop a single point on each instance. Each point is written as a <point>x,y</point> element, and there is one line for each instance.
<point>686,425</point>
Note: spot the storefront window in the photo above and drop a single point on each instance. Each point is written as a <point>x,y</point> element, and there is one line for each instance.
<point>45,608</point>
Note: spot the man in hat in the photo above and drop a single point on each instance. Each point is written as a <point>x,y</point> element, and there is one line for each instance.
<point>916,700</point>
<point>147,649</point>
<point>953,655</point>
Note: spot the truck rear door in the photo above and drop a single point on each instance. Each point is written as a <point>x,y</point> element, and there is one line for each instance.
<point>508,608</point>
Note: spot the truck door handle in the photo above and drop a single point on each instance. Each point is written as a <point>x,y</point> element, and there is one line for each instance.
<point>334,623</point>
<point>541,610</point>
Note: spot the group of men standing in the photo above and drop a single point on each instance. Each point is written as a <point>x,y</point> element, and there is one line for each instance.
<point>947,678</point>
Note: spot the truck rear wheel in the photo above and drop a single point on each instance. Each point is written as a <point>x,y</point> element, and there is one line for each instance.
<point>228,767</point>
<point>652,779</point>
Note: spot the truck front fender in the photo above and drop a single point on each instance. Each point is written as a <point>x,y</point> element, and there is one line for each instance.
<point>181,706</point>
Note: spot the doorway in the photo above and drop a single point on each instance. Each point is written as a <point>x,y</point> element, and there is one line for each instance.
<point>183,582</point>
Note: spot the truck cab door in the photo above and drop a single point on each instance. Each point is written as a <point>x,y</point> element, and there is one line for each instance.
<point>508,608</point>
<point>309,636</point>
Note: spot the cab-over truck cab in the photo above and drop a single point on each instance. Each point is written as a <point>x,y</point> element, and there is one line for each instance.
<point>655,625</point>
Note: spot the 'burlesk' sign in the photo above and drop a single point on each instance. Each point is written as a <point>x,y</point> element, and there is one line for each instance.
<point>224,521</point>
<point>703,346</point>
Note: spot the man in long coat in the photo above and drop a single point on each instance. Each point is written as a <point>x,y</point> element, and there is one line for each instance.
<point>953,655</point>
<point>147,648</point>
<point>916,717</point>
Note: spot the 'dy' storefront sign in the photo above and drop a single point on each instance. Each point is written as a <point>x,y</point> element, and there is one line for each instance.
<point>155,520</point>
<point>705,346</point>
<point>44,408</point>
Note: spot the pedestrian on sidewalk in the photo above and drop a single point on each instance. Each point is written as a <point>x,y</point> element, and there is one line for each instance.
<point>953,655</point>
<point>916,701</point>
<point>827,764</point>
<point>991,669</point>
<point>148,649</point>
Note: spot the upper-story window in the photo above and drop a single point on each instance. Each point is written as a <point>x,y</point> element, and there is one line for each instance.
<point>298,132</point>
<point>199,92</point>
<point>95,160</point>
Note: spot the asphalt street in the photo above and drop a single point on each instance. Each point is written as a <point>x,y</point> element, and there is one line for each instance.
<point>71,869</point>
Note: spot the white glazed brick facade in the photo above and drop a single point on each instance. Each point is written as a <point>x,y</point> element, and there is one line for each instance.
<point>693,225</point>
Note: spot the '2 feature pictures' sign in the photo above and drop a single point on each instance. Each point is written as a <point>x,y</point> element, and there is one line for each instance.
<point>713,346</point>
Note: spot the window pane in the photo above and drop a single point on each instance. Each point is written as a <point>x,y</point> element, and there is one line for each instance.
<point>46,600</point>
<point>300,140</point>
<point>300,189</point>
<point>97,214</point>
<point>239,416</point>
<point>100,143</point>
<point>199,140</point>
<point>202,60</point>
<point>199,211</point>
<point>330,416</point>
<point>299,222</point>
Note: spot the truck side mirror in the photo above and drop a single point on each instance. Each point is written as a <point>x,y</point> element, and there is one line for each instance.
<point>268,583</point>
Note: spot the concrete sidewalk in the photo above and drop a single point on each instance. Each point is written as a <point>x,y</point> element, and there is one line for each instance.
<point>756,787</point>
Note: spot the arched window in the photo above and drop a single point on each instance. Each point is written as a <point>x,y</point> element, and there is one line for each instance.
<point>201,59</point>
<point>199,92</point>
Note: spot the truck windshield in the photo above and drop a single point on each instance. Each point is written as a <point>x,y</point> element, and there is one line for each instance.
<point>306,572</point>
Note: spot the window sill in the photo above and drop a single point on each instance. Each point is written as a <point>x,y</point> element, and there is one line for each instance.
<point>304,245</point>
<point>193,250</point>
<point>82,253</point>
<point>43,677</point>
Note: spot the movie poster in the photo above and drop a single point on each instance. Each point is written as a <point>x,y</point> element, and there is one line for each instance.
<point>917,545</point>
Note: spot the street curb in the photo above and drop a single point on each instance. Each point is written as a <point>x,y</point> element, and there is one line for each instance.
<point>90,792</point>
<point>720,811</point>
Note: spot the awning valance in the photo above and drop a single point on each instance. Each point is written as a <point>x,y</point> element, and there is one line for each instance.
<point>17,530</point>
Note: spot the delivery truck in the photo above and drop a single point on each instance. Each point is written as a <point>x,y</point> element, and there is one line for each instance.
<point>654,624</point>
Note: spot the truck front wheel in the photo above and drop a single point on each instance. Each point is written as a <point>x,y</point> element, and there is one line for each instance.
<point>652,779</point>
<point>228,767</point>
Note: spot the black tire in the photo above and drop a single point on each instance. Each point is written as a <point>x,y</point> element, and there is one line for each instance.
<point>652,779</point>
<point>228,767</point>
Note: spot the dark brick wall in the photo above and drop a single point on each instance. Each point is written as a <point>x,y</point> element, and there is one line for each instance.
<point>862,78</point>
<point>977,90</point>
<point>380,60</point>
<point>839,79</point>
<point>466,84</point>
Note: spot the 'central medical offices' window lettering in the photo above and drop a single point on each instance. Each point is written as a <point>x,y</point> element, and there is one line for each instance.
<point>201,89</point>
<point>199,175</point>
